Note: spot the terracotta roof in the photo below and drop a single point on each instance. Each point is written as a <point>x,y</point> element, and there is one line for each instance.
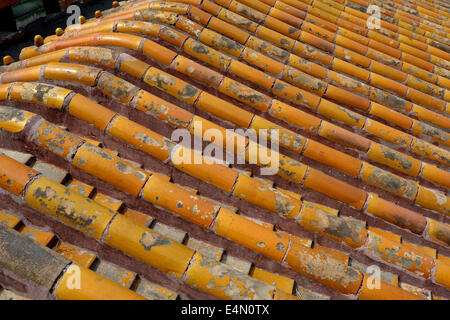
<point>363,173</point>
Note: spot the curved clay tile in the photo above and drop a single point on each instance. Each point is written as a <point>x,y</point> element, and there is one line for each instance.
<point>224,224</point>
<point>124,91</point>
<point>55,271</point>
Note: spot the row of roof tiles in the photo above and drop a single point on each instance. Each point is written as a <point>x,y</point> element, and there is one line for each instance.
<point>289,74</point>
<point>350,12</point>
<point>124,91</point>
<point>314,30</point>
<point>155,249</point>
<point>127,278</point>
<point>87,259</point>
<point>113,86</point>
<point>43,267</point>
<point>411,93</point>
<point>122,276</point>
<point>329,109</point>
<point>177,200</point>
<point>223,178</point>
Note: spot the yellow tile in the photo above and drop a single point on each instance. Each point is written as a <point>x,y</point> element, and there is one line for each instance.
<point>329,210</point>
<point>42,237</point>
<point>340,256</point>
<point>8,219</point>
<point>93,142</point>
<point>424,293</point>
<point>115,273</point>
<point>108,201</point>
<point>80,256</point>
<point>387,234</point>
<point>263,224</point>
<point>303,241</point>
<point>280,282</point>
<point>290,194</point>
<point>191,190</point>
<point>80,187</point>
<point>153,291</point>
<point>425,250</point>
<point>205,249</point>
<point>443,258</point>
<point>138,217</point>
